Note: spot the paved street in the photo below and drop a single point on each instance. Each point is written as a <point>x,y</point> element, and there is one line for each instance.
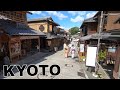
<point>69,68</point>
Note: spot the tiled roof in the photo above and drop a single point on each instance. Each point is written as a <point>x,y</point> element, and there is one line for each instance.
<point>11,29</point>
<point>51,36</point>
<point>96,36</point>
<point>38,19</point>
<point>42,19</point>
<point>90,20</point>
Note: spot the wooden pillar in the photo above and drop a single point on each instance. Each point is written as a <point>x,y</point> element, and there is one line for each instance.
<point>20,49</point>
<point>39,43</point>
<point>9,50</point>
<point>116,66</point>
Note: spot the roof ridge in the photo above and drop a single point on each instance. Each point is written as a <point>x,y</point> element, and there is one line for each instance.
<point>48,17</point>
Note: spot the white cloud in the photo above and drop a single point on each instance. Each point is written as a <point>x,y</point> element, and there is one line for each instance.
<point>77,13</point>
<point>36,12</point>
<point>57,14</point>
<point>43,14</point>
<point>82,12</point>
<point>72,12</point>
<point>89,15</point>
<point>77,19</point>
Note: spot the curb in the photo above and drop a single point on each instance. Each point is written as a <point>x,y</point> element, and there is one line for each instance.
<point>103,72</point>
<point>86,76</point>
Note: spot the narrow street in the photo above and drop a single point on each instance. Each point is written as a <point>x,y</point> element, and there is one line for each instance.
<point>69,68</point>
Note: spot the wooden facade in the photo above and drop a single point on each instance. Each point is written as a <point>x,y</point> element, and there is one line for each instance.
<point>17,16</point>
<point>89,27</point>
<point>37,25</point>
<point>109,20</point>
<point>109,25</point>
<point>13,43</point>
<point>49,25</point>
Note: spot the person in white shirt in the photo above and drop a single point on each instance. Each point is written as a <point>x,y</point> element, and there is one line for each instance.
<point>38,48</point>
<point>72,50</point>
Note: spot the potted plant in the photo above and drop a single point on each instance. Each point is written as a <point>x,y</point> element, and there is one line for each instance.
<point>102,56</point>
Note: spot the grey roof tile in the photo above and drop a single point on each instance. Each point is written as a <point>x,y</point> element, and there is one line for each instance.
<point>90,20</point>
<point>11,29</point>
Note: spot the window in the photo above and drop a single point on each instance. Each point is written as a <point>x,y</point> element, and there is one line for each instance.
<point>41,28</point>
<point>13,13</point>
<point>117,22</point>
<point>104,29</point>
<point>17,14</point>
<point>112,49</point>
<point>105,19</point>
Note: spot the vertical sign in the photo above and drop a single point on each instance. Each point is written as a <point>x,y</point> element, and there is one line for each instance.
<point>91,56</point>
<point>81,47</point>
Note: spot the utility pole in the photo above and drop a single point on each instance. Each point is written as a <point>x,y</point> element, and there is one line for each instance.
<point>98,45</point>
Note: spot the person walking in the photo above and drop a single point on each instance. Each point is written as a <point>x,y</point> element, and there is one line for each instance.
<point>38,48</point>
<point>66,49</point>
<point>72,50</point>
<point>6,60</point>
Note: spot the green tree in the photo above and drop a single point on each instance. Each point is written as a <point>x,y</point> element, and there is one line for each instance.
<point>74,30</point>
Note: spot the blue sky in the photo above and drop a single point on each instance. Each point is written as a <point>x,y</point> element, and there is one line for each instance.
<point>66,19</point>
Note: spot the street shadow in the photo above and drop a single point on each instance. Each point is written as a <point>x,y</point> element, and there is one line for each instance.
<point>109,69</point>
<point>35,61</point>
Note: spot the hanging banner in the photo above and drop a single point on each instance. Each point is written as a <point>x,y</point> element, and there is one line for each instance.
<point>81,47</point>
<point>91,56</point>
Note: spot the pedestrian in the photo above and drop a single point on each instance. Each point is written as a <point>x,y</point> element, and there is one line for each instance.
<point>72,50</point>
<point>38,48</point>
<point>6,60</point>
<point>66,49</point>
<point>70,45</point>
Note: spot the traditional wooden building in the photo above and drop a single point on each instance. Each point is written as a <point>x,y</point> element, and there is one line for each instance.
<point>16,37</point>
<point>111,25</point>
<point>110,36</point>
<point>49,27</point>
<point>88,27</point>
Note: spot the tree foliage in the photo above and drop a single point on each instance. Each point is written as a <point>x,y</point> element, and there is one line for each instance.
<point>74,30</point>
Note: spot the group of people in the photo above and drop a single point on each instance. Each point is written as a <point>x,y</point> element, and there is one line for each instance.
<point>69,48</point>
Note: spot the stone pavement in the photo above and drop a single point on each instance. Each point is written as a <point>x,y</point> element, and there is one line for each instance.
<point>69,68</point>
<point>29,59</point>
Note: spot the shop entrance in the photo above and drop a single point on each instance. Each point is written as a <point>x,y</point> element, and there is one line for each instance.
<point>34,43</point>
<point>42,43</point>
<point>29,46</point>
